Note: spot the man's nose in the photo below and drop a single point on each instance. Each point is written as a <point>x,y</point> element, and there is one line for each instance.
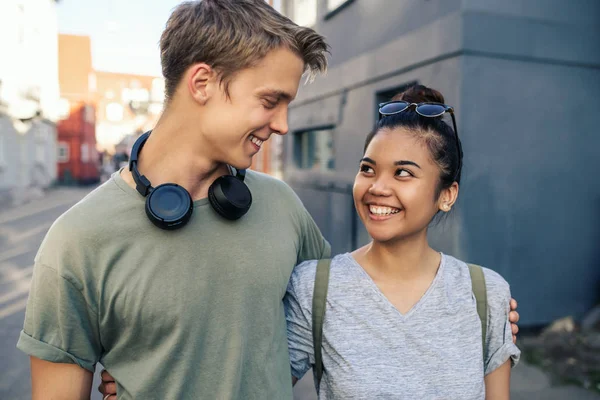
<point>279,124</point>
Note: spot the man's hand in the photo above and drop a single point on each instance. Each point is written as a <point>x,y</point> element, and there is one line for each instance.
<point>108,387</point>
<point>513,317</point>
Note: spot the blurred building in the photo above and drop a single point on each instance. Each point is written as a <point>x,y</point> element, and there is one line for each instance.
<point>28,96</point>
<point>102,111</point>
<point>268,159</point>
<point>127,104</point>
<point>522,76</point>
<point>78,160</point>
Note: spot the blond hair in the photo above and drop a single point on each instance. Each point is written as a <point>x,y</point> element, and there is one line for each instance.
<point>230,35</point>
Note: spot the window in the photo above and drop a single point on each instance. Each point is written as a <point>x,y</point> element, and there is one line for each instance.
<point>64,108</point>
<point>89,114</point>
<point>155,108</point>
<point>314,150</point>
<point>335,6</point>
<point>40,152</point>
<point>40,135</point>
<point>276,4</point>
<point>114,112</point>
<point>85,153</point>
<point>305,12</point>
<point>92,82</point>
<point>277,156</point>
<point>2,150</point>
<point>21,24</point>
<point>258,161</point>
<point>63,152</point>
<point>387,94</point>
<point>158,90</point>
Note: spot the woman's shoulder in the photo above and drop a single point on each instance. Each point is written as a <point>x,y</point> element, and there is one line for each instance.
<point>496,285</point>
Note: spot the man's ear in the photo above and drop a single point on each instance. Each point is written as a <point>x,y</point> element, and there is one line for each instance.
<point>201,79</point>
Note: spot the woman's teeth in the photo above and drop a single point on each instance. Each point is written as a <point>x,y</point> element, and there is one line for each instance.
<point>379,210</point>
<point>256,141</point>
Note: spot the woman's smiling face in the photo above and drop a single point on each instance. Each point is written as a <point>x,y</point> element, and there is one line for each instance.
<point>396,187</point>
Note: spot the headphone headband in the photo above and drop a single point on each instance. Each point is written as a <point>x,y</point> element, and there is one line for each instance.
<point>142,184</point>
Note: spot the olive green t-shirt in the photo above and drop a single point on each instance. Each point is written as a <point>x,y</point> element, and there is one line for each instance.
<point>194,313</point>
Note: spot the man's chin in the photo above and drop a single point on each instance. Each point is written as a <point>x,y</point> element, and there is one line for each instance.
<point>241,164</point>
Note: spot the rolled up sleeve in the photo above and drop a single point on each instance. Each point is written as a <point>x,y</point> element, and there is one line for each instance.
<point>499,344</point>
<point>60,326</point>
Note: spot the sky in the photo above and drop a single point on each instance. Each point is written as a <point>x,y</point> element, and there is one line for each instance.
<point>124,34</point>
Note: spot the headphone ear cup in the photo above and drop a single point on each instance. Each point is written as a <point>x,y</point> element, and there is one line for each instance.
<point>230,197</point>
<point>169,206</point>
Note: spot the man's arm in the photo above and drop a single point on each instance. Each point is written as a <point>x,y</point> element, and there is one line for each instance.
<point>497,383</point>
<point>54,381</point>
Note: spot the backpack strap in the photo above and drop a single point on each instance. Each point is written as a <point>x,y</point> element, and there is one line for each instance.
<point>480,292</point>
<point>318,314</point>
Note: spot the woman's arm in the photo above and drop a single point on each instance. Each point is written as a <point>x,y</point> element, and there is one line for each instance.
<point>497,383</point>
<point>298,312</point>
<point>500,351</point>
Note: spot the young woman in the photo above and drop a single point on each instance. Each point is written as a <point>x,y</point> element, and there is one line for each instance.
<point>401,318</point>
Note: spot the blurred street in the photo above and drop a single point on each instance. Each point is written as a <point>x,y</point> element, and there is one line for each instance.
<point>22,229</point>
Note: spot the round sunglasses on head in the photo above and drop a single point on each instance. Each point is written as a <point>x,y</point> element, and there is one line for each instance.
<point>428,110</point>
<point>431,110</point>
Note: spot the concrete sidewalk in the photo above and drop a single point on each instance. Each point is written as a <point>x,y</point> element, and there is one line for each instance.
<point>17,200</point>
<point>531,383</point>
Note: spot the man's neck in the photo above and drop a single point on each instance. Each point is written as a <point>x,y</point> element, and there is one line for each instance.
<point>167,157</point>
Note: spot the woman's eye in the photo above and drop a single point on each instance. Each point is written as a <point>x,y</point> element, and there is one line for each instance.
<point>366,169</point>
<point>403,173</point>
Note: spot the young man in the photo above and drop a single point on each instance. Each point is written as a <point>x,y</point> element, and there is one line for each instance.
<point>194,312</point>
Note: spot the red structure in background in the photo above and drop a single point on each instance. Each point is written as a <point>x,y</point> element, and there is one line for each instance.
<point>78,160</point>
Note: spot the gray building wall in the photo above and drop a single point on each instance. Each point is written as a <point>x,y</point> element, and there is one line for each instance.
<point>522,76</point>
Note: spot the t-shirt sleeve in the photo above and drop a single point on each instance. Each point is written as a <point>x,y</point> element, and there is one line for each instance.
<point>310,243</point>
<point>59,324</point>
<point>298,313</point>
<point>313,245</point>
<point>499,345</point>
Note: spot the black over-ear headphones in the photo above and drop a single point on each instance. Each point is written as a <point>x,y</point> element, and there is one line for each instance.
<point>169,206</point>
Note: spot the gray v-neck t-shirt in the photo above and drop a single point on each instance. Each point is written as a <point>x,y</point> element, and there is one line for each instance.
<point>372,351</point>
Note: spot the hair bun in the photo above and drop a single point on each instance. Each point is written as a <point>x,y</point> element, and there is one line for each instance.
<point>420,94</point>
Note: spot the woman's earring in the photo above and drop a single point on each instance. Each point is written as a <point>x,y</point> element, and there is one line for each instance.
<point>446,207</point>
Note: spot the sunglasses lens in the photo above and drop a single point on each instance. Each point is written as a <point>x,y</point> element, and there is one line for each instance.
<point>393,108</point>
<point>431,110</point>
